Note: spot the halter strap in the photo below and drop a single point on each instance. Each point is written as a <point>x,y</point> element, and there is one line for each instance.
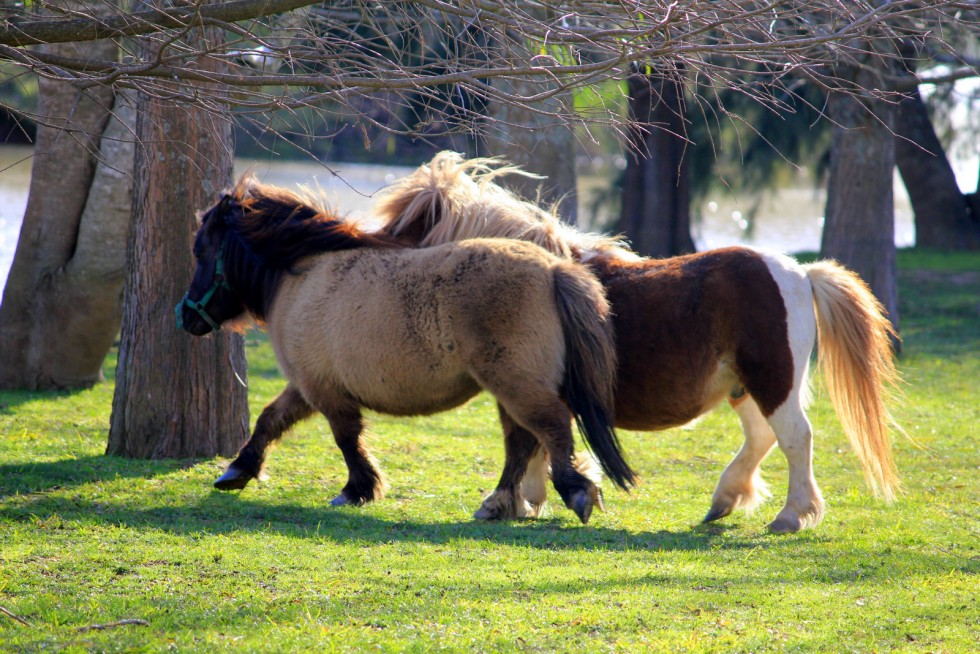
<point>200,305</point>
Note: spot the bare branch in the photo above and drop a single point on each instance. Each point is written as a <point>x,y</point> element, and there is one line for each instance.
<point>22,32</point>
<point>441,60</point>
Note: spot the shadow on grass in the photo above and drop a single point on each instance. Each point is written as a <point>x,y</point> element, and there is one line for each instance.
<point>25,478</point>
<point>43,505</point>
<point>216,512</point>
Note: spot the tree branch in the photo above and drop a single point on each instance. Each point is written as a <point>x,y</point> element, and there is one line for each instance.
<point>19,32</point>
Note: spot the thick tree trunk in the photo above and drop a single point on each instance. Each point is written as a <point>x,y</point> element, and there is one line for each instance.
<point>859,227</point>
<point>656,207</point>
<point>943,220</point>
<point>61,304</point>
<point>176,396</point>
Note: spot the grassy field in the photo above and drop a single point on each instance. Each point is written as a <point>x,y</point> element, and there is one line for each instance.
<point>106,554</point>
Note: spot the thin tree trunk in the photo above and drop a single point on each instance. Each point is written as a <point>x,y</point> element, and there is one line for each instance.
<point>859,227</point>
<point>942,217</point>
<point>176,396</point>
<point>60,309</point>
<point>656,207</point>
<point>541,141</point>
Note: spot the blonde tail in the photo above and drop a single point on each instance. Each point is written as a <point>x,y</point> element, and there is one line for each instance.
<point>855,355</point>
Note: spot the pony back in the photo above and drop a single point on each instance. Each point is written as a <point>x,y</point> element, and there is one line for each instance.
<point>452,199</point>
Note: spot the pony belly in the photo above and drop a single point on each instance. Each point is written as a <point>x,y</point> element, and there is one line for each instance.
<point>424,396</point>
<point>677,403</point>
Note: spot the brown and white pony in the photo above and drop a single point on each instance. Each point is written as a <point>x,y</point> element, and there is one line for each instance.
<point>694,330</point>
<point>362,321</point>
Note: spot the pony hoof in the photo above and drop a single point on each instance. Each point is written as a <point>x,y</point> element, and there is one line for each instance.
<point>341,500</point>
<point>582,503</point>
<point>535,510</point>
<point>784,526</point>
<point>491,510</point>
<point>233,479</point>
<point>717,512</point>
<point>485,513</point>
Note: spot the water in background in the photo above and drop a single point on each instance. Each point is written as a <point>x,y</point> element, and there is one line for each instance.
<point>788,221</point>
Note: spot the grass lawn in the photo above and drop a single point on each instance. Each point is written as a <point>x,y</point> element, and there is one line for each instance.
<point>89,541</point>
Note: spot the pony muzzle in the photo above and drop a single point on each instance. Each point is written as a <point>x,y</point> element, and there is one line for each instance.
<point>197,307</point>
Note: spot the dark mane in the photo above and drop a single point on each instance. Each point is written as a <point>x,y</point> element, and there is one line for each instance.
<point>270,229</point>
<point>279,226</point>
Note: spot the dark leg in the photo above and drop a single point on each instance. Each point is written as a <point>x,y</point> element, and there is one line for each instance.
<point>507,502</point>
<point>285,411</point>
<point>364,481</point>
<point>551,423</point>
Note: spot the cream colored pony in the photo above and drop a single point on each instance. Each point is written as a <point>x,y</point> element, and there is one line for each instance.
<point>692,331</point>
<point>360,321</point>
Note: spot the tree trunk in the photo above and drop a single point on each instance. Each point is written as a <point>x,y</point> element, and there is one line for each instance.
<point>540,141</point>
<point>859,226</point>
<point>656,208</point>
<point>61,304</point>
<point>176,396</point>
<point>942,216</point>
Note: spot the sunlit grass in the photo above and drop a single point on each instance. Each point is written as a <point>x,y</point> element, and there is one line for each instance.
<point>91,540</point>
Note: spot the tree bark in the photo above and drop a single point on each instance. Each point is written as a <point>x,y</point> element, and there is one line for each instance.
<point>859,224</point>
<point>176,396</point>
<point>942,217</point>
<point>656,207</point>
<point>61,303</point>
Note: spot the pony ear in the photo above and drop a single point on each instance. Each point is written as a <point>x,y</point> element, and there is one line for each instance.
<point>227,207</point>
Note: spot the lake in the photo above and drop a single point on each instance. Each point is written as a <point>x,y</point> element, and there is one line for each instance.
<point>790,220</point>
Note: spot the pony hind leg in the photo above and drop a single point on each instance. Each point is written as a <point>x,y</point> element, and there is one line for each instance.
<point>286,410</point>
<point>534,486</point>
<point>551,423</point>
<point>365,482</point>
<point>526,496</point>
<point>741,485</point>
<point>804,504</point>
<point>520,448</point>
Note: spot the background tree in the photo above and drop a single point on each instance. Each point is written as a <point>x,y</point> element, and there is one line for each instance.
<point>656,204</point>
<point>859,220</point>
<point>537,137</point>
<point>943,216</point>
<point>61,304</point>
<point>176,396</point>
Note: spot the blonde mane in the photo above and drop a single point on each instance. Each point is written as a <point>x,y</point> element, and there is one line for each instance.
<point>452,199</point>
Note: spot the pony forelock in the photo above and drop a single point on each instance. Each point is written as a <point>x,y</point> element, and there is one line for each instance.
<point>452,199</point>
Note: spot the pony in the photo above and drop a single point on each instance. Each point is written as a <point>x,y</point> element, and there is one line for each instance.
<point>693,330</point>
<point>363,321</point>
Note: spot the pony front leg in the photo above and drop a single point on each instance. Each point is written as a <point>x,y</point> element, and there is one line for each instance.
<point>506,501</point>
<point>365,482</point>
<point>285,411</point>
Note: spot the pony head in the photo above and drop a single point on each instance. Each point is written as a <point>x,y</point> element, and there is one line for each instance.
<point>210,300</point>
<point>248,240</point>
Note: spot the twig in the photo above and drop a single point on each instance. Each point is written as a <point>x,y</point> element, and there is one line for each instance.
<point>14,616</point>
<point>112,625</point>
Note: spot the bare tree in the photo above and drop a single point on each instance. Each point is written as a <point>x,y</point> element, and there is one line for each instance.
<point>176,396</point>
<point>656,208</point>
<point>859,221</point>
<point>61,304</point>
<point>293,54</point>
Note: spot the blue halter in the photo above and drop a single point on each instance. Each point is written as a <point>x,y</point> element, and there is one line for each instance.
<point>199,305</point>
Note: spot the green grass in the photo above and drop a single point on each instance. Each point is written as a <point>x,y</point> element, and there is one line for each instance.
<point>89,540</point>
